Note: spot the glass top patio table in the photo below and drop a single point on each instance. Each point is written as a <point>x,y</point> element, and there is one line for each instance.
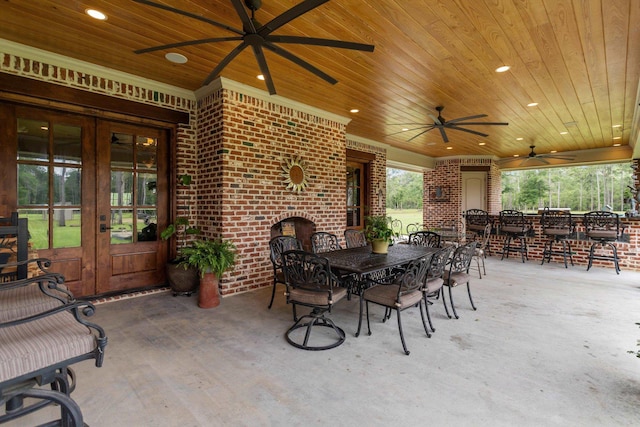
<point>362,261</point>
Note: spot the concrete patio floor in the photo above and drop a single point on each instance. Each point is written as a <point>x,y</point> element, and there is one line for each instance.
<point>546,347</point>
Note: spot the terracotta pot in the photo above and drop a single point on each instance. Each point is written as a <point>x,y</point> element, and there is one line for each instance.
<point>208,296</point>
<point>379,246</point>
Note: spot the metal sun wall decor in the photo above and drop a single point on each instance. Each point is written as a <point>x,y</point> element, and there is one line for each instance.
<point>294,172</point>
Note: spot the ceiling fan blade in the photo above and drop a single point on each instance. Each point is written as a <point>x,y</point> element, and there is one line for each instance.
<point>443,133</point>
<point>411,130</point>
<point>415,136</point>
<point>247,23</point>
<point>435,119</point>
<point>289,15</point>
<point>410,124</point>
<point>554,156</point>
<point>466,130</point>
<point>190,15</point>
<point>480,123</point>
<point>291,57</point>
<point>264,68</point>
<point>225,61</point>
<point>321,42</point>
<point>477,116</point>
<point>189,43</point>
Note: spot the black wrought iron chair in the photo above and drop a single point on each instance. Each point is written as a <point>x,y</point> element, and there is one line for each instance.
<point>458,273</point>
<point>434,280</point>
<point>322,241</point>
<point>311,283</point>
<point>277,246</point>
<point>516,227</point>
<point>396,226</point>
<point>557,226</point>
<point>476,220</point>
<point>604,228</point>
<point>354,238</point>
<point>404,292</point>
<point>414,228</point>
<point>425,238</point>
<point>482,249</point>
<point>452,232</point>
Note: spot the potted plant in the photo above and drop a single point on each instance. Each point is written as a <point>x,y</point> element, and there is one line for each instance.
<point>183,281</point>
<point>212,258</point>
<point>378,233</point>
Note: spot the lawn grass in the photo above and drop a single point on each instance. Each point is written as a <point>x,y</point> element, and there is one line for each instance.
<point>406,216</point>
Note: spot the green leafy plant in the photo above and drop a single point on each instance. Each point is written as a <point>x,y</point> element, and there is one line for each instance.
<point>215,256</point>
<point>180,229</point>
<point>376,227</point>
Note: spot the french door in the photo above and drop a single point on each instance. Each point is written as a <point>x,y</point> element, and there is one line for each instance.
<point>95,193</point>
<point>131,203</point>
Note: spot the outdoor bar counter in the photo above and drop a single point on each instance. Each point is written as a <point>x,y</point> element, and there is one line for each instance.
<point>628,246</point>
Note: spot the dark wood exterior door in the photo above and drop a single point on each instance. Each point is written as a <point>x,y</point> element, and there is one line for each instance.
<point>131,206</point>
<point>95,193</point>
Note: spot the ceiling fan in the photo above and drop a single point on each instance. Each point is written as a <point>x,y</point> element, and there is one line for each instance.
<point>259,37</point>
<point>542,158</point>
<point>441,124</point>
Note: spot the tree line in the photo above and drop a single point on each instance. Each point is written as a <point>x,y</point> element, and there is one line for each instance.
<point>404,189</point>
<point>580,188</point>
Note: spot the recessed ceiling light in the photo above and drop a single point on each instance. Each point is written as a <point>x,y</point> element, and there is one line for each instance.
<point>354,110</point>
<point>260,77</point>
<point>176,58</point>
<point>564,133</point>
<point>553,151</point>
<point>482,143</point>
<point>532,104</point>
<point>616,126</point>
<point>516,155</point>
<point>96,14</point>
<point>502,69</point>
<point>617,137</point>
<point>519,139</point>
<point>616,145</point>
<point>449,148</point>
<point>405,129</point>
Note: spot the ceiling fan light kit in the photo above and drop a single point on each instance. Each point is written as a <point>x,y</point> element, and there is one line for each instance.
<point>259,37</point>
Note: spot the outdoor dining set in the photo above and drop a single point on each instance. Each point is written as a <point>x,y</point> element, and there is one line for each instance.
<point>417,267</point>
<point>412,274</point>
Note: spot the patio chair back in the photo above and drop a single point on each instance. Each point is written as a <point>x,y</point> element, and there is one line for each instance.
<point>354,238</point>
<point>324,242</point>
<point>277,246</point>
<point>425,238</point>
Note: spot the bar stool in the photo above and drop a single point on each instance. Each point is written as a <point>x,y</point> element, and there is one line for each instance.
<point>516,227</point>
<point>476,221</point>
<point>558,227</point>
<point>603,227</point>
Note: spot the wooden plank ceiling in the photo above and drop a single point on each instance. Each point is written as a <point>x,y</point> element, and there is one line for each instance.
<point>578,60</point>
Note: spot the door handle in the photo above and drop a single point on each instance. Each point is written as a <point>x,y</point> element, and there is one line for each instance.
<point>104,228</point>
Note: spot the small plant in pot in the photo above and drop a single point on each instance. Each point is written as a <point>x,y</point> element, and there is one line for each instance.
<point>212,258</point>
<point>182,281</point>
<point>378,233</point>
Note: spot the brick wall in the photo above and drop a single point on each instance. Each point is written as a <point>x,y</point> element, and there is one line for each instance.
<point>243,142</point>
